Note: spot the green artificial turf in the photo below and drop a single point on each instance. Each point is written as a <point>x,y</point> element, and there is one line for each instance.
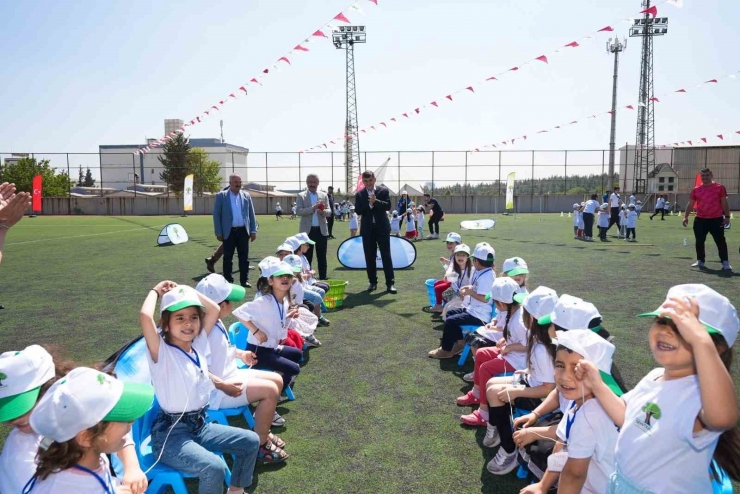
<point>373,413</point>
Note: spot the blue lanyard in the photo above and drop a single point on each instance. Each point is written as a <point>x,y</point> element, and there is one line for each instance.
<point>479,274</point>
<point>195,361</point>
<point>107,486</point>
<point>569,422</point>
<point>223,331</point>
<point>461,278</point>
<point>281,310</point>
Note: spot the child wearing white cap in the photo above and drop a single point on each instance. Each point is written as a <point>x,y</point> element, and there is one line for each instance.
<point>576,219</point>
<point>457,275</point>
<point>684,413</point>
<point>410,225</point>
<point>278,212</point>
<point>266,318</point>
<point>623,222</point>
<point>239,387</point>
<point>516,268</point>
<point>83,417</point>
<point>304,298</point>
<point>476,309</point>
<point>583,456</point>
<point>293,211</point>
<point>353,225</point>
<point>631,223</point>
<point>603,221</point>
<point>395,223</point>
<point>28,374</point>
<point>453,240</point>
<point>179,370</point>
<point>309,274</point>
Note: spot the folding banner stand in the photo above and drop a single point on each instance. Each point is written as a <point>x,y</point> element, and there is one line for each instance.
<point>478,224</point>
<point>352,256</point>
<point>172,234</point>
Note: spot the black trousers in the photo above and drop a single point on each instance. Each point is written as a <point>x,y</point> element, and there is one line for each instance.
<point>614,219</point>
<point>456,318</point>
<point>372,241</point>
<point>285,361</point>
<point>238,240</point>
<point>588,224</point>
<point>713,226</point>
<point>320,248</point>
<point>632,231</point>
<point>660,211</point>
<point>434,223</point>
<point>330,224</point>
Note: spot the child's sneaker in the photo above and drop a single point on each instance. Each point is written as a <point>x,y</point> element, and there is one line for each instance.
<point>312,341</point>
<point>277,420</point>
<point>726,266</point>
<point>698,264</point>
<point>473,419</point>
<point>492,438</point>
<point>503,463</point>
<point>468,399</point>
<point>469,377</point>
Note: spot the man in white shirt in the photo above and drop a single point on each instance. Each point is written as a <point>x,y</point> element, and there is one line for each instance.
<point>632,198</point>
<point>614,203</point>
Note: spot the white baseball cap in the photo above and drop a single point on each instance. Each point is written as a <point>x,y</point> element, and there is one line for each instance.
<point>293,242</point>
<point>576,206</point>
<point>395,212</point>
<point>454,237</point>
<point>540,302</point>
<point>593,348</point>
<point>21,375</point>
<point>504,289</point>
<point>462,248</point>
<point>215,287</point>
<point>295,262</point>
<point>272,266</point>
<point>404,193</point>
<point>178,298</point>
<point>484,252</point>
<point>716,312</point>
<point>604,206</point>
<point>515,266</point>
<point>571,313</point>
<point>303,238</point>
<point>286,247</point>
<point>84,398</point>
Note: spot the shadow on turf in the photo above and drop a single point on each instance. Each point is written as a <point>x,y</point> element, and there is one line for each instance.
<point>365,298</point>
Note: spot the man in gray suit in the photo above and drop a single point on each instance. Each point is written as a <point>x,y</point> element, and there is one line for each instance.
<point>235,225</point>
<point>312,206</point>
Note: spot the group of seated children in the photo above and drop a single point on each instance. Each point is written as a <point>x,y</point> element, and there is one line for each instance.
<point>550,359</point>
<point>66,422</point>
<point>414,217</point>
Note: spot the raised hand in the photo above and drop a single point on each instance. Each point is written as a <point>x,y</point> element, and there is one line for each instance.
<point>13,208</point>
<point>684,312</point>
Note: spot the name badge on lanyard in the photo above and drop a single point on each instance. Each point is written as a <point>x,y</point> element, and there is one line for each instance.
<point>205,385</point>
<point>231,349</point>
<point>281,311</point>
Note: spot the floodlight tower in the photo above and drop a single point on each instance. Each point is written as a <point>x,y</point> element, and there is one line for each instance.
<point>345,39</point>
<point>615,47</point>
<point>647,27</point>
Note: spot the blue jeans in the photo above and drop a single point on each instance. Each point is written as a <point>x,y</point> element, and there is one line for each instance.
<point>189,449</point>
<point>312,297</point>
<point>313,288</point>
<point>285,361</point>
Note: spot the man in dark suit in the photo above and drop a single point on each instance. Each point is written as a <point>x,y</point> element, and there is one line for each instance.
<point>372,204</point>
<point>330,219</point>
<point>235,225</point>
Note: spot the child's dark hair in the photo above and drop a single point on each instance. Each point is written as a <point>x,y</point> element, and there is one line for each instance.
<point>468,267</point>
<point>486,263</point>
<point>164,321</point>
<point>62,456</point>
<point>538,333</point>
<point>263,286</point>
<point>510,309</point>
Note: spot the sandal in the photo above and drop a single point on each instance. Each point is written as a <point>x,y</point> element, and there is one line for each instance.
<point>274,439</point>
<point>269,453</point>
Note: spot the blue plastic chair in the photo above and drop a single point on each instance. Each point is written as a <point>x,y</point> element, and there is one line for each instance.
<point>220,416</point>
<point>430,291</point>
<point>723,485</point>
<point>238,338</point>
<point>466,330</point>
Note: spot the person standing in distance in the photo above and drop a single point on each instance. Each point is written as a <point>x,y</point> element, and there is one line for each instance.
<point>372,204</point>
<point>235,225</point>
<point>712,215</point>
<point>330,218</point>
<point>313,208</point>
<point>436,213</point>
<point>614,204</point>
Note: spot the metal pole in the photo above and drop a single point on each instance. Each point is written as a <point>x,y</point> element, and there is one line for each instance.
<point>532,192</point>
<point>465,186</point>
<point>615,48</point>
<point>299,171</point>
<point>499,175</point>
<point>332,170</point>
<point>432,173</point>
<point>133,164</point>
<point>69,190</point>
<point>100,161</point>
<point>398,153</point>
<point>566,172</point>
<point>602,172</point>
<point>267,188</point>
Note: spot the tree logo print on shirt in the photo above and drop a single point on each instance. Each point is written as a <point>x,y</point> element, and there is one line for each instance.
<point>652,410</point>
<point>3,377</point>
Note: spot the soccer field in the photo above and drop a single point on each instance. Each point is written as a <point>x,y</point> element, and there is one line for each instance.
<point>373,413</point>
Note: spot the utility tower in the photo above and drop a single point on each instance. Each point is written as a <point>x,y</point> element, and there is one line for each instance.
<point>647,27</point>
<point>345,39</point>
<point>615,47</point>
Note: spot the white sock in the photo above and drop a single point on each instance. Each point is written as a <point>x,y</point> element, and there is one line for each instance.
<point>476,393</point>
<point>483,414</point>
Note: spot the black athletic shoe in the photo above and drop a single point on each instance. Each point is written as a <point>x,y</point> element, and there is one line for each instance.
<point>210,265</point>
<point>372,287</point>
<point>392,289</point>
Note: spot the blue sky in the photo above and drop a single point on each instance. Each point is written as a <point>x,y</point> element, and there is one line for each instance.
<point>80,74</point>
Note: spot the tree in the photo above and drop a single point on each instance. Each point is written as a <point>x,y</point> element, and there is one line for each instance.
<point>22,172</point>
<point>651,410</point>
<point>175,161</point>
<point>89,180</point>
<point>2,376</point>
<point>81,179</point>
<point>207,172</point>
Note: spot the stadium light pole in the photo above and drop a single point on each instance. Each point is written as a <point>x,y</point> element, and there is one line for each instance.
<point>345,39</point>
<point>615,47</point>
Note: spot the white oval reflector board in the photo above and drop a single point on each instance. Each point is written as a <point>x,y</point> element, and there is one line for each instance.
<point>131,364</point>
<point>477,224</point>
<point>172,234</point>
<point>351,255</point>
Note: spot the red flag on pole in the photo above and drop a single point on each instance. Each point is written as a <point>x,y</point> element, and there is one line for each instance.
<point>542,58</point>
<point>704,139</point>
<point>652,11</point>
<point>711,80</point>
<point>449,97</point>
<point>470,88</point>
<point>720,136</point>
<point>573,44</point>
<point>340,17</point>
<point>37,187</point>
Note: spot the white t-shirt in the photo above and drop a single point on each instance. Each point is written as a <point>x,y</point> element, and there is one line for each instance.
<point>462,280</point>
<point>420,218</point>
<point>221,361</point>
<point>592,435</point>
<point>542,368</point>
<point>517,334</point>
<point>623,217</point>
<point>265,313</point>
<point>653,445</point>
<point>632,199</point>
<point>591,206</point>
<point>410,224</point>
<point>395,224</point>
<point>660,203</point>
<point>278,208</point>
<point>353,221</point>
<point>293,209</point>
<point>631,219</point>
<point>603,219</point>
<point>296,292</point>
<point>73,481</point>
<point>18,460</point>
<point>482,282</point>
<point>576,216</point>
<point>614,200</point>
<point>178,383</point>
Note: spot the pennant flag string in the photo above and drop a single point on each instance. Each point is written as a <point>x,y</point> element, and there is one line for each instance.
<point>285,60</point>
<point>540,58</point>
<point>721,137</point>
<point>628,107</point>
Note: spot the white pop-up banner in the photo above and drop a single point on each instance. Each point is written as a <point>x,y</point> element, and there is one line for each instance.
<point>172,234</point>
<point>188,193</point>
<point>510,191</point>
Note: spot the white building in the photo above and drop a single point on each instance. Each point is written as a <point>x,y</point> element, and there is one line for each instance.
<point>171,125</point>
<point>119,164</point>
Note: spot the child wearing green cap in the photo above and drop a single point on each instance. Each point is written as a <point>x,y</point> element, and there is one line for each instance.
<point>684,413</point>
